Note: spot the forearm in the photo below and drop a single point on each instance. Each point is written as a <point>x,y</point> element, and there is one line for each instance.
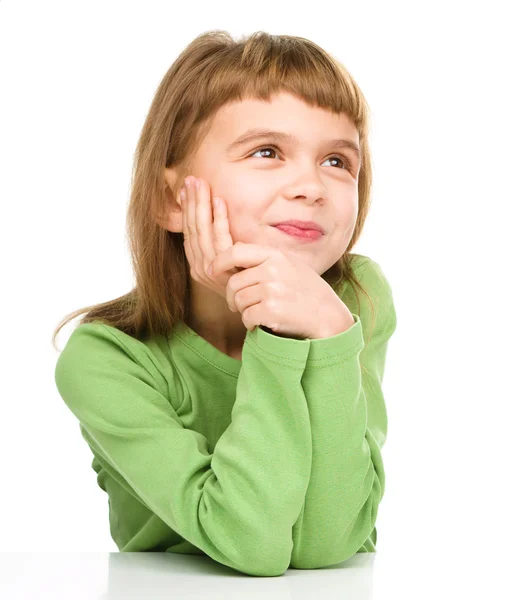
<point>347,477</point>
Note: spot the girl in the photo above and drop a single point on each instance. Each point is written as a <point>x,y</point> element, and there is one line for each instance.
<point>239,413</point>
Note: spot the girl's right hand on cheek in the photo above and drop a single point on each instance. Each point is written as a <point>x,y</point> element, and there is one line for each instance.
<point>206,233</point>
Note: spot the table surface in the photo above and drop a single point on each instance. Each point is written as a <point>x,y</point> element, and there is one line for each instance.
<point>158,575</point>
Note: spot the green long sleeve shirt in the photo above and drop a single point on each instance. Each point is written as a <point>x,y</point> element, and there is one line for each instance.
<point>265,463</point>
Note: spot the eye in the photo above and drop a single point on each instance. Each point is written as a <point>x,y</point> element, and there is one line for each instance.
<point>344,159</point>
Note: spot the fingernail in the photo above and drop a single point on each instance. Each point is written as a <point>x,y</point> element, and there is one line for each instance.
<point>197,182</point>
<point>209,270</point>
<point>216,202</point>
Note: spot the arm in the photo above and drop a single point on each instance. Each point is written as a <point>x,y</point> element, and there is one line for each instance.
<point>238,504</point>
<point>349,425</point>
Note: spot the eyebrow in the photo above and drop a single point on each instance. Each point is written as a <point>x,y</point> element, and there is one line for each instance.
<point>281,137</point>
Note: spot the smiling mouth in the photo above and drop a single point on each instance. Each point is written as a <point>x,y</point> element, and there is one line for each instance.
<point>310,235</point>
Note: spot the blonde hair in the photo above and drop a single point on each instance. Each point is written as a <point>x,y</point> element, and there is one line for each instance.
<point>210,72</point>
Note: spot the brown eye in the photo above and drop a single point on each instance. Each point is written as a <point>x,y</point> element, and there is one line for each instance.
<point>344,160</point>
<point>261,149</point>
<point>338,158</point>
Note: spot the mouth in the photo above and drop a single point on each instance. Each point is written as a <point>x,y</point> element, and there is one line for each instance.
<point>306,225</point>
<point>310,235</point>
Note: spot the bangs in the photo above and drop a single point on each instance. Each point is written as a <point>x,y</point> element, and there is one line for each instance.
<point>265,65</point>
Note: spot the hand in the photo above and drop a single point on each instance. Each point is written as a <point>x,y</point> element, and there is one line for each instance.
<point>281,292</point>
<point>205,234</point>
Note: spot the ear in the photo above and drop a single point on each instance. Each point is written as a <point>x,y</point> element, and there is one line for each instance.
<point>173,218</point>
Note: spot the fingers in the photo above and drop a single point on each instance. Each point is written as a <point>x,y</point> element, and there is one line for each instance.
<point>206,230</point>
<point>204,221</point>
<point>187,242</point>
<point>247,256</point>
<point>222,237</point>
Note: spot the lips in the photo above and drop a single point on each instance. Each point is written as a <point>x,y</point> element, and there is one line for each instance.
<point>305,225</point>
<point>298,233</point>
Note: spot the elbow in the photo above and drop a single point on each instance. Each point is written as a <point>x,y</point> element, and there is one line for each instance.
<point>341,547</point>
<point>269,558</point>
<point>318,562</point>
<point>265,568</point>
<point>325,556</point>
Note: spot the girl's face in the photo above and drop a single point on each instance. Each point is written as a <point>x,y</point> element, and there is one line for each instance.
<point>305,177</point>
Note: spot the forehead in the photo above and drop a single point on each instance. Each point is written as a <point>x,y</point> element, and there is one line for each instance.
<point>285,112</point>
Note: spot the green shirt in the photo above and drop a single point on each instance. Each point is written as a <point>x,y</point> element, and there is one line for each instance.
<point>265,463</point>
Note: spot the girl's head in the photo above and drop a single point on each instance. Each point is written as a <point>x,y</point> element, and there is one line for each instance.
<point>266,180</point>
<point>216,90</point>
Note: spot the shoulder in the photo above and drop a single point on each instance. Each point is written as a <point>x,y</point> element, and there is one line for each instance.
<point>379,308</point>
<point>372,275</point>
<point>101,340</point>
<point>97,348</point>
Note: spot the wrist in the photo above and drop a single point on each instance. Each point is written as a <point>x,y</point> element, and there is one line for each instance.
<point>341,324</point>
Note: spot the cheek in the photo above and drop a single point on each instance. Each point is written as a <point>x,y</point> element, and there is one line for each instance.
<point>248,226</point>
<point>238,221</point>
<point>346,224</point>
<point>350,216</point>
<point>348,232</point>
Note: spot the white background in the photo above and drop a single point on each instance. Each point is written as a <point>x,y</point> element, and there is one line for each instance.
<point>443,80</point>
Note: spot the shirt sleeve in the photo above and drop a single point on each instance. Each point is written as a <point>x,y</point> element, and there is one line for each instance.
<point>343,388</point>
<point>238,504</point>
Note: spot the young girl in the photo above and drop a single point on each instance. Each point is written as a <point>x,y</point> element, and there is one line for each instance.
<point>240,413</point>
